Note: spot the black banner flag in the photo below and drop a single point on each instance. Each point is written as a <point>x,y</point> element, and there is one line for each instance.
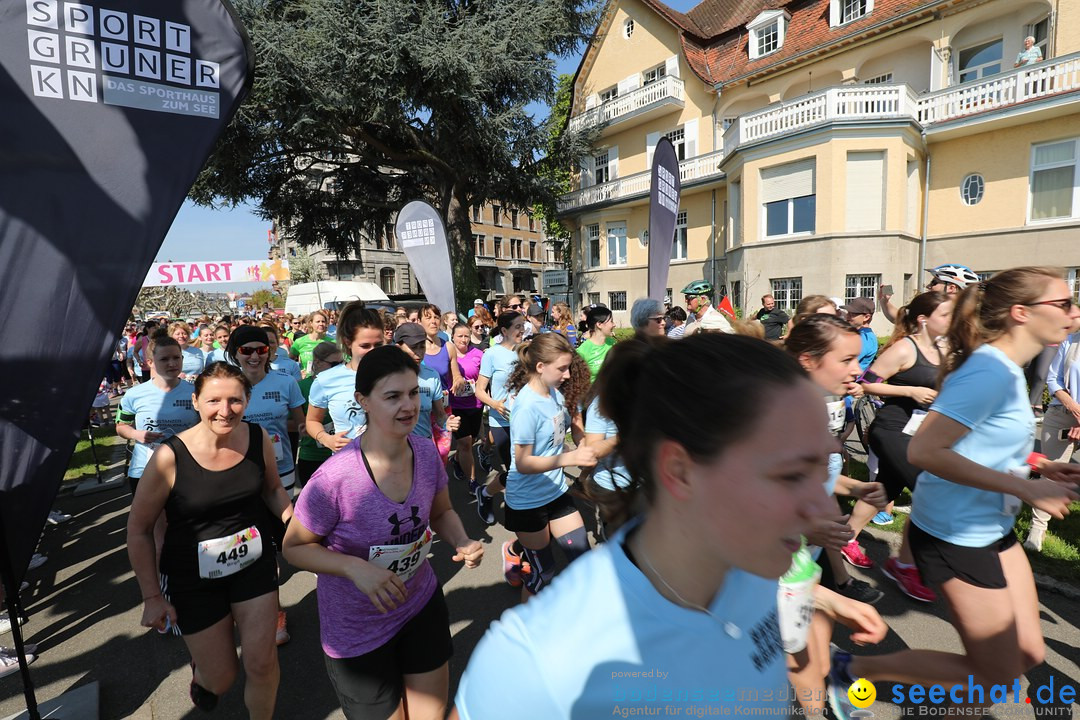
<point>108,111</point>
<point>664,190</point>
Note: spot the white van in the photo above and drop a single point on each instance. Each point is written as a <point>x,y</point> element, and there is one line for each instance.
<point>304,298</point>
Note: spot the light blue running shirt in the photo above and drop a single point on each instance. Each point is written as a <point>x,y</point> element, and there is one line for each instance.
<point>601,639</point>
<point>216,355</point>
<point>540,422</point>
<point>496,365</point>
<point>269,407</point>
<point>148,407</point>
<point>431,391</point>
<point>610,471</point>
<point>286,366</point>
<point>194,361</point>
<point>334,391</point>
<point>988,395</point>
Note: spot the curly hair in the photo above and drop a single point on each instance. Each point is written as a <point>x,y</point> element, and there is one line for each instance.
<point>578,386</point>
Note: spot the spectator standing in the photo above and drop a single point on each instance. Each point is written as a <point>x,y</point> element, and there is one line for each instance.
<point>773,318</point>
<point>1030,55</point>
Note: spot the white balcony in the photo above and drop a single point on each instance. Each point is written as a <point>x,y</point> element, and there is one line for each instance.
<point>860,103</point>
<point>638,105</point>
<point>703,167</point>
<point>486,261</point>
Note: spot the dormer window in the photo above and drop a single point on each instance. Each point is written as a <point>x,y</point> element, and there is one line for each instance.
<point>842,12</point>
<point>767,32</point>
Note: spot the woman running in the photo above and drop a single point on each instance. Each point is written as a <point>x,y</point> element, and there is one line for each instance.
<point>215,482</point>
<point>279,359</point>
<point>465,405</point>
<point>194,359</point>
<point>539,506</point>
<point>491,389</point>
<point>905,374</point>
<point>599,339</point>
<point>318,322</point>
<point>221,341</point>
<point>275,398</point>
<point>478,332</point>
<point>154,411</point>
<point>412,339</point>
<point>440,355</point>
<point>688,587</point>
<point>333,394</point>
<point>365,523</point>
<point>311,454</point>
<point>562,322</point>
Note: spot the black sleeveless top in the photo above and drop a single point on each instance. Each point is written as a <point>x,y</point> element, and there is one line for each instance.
<point>896,411</point>
<point>207,504</point>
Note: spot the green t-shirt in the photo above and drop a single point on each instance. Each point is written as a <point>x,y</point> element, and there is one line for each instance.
<point>309,449</point>
<point>594,354</point>
<point>304,347</point>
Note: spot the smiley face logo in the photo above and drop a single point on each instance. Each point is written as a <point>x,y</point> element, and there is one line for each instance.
<point>862,693</point>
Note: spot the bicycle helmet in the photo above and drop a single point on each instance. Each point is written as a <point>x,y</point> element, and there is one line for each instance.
<point>698,287</point>
<point>959,275</point>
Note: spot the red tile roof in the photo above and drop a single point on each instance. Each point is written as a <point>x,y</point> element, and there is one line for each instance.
<point>714,37</point>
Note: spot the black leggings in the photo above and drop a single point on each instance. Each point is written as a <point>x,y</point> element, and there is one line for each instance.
<point>894,470</point>
<point>501,441</point>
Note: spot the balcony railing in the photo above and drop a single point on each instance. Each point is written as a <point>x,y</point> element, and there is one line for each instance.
<point>885,102</point>
<point>669,88</point>
<point>699,168</point>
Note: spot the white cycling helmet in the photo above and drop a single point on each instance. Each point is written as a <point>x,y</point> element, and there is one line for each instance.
<point>959,275</point>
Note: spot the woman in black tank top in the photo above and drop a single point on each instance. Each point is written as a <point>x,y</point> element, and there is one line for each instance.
<point>905,374</point>
<point>215,483</point>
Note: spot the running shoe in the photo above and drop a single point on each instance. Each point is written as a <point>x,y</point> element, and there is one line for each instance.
<point>484,506</point>
<point>861,591</point>
<point>5,622</point>
<point>455,468</point>
<point>1035,538</point>
<point>282,635</point>
<point>36,561</point>
<point>882,518</point>
<point>909,580</point>
<point>472,486</point>
<point>9,661</point>
<point>57,518</point>
<point>839,681</point>
<point>855,555</point>
<point>511,565</point>
<point>200,696</point>
<point>482,459</point>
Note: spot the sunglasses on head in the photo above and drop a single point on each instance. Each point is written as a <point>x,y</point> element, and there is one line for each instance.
<point>261,350</point>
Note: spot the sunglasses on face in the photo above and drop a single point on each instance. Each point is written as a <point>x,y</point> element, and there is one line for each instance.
<point>515,307</point>
<point>261,350</point>
<point>656,319</point>
<point>1065,304</point>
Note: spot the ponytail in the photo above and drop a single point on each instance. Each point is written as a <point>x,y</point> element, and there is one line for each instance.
<point>544,348</point>
<point>907,317</point>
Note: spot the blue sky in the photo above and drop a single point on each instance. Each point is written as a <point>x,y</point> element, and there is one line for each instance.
<point>238,234</point>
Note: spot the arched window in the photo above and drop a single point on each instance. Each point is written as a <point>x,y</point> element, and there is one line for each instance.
<point>386,280</point>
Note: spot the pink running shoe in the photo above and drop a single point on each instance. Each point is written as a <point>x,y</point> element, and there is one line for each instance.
<point>855,555</point>
<point>909,580</point>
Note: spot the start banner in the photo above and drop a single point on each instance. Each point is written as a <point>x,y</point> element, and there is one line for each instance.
<point>216,271</point>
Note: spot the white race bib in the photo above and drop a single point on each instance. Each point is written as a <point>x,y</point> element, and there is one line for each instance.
<point>402,560</point>
<point>279,448</point>
<point>913,424</point>
<point>1010,504</point>
<point>837,413</point>
<point>225,556</point>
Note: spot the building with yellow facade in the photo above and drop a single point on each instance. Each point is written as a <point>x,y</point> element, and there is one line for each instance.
<point>828,146</point>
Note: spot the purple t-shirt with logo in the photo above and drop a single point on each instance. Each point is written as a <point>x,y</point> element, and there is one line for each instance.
<point>342,504</point>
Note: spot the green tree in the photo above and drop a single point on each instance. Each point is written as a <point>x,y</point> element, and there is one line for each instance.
<point>558,174</point>
<point>303,268</point>
<point>359,106</point>
<point>266,297</point>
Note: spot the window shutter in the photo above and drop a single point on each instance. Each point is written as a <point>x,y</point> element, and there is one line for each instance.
<point>613,162</point>
<point>650,147</point>
<point>787,181</point>
<point>865,186</point>
<point>587,177</point>
<point>629,84</point>
<point>690,132</point>
<point>936,70</point>
<point>914,199</point>
<point>592,101</point>
<point>671,66</point>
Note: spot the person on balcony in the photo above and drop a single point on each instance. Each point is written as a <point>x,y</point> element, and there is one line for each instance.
<point>1030,55</point>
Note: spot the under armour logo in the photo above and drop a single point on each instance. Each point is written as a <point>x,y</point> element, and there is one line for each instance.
<point>415,517</point>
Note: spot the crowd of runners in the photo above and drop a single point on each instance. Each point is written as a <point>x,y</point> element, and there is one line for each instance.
<point>709,450</point>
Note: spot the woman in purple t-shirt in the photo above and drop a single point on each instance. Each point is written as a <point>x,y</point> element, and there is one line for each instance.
<point>365,523</point>
<point>464,404</point>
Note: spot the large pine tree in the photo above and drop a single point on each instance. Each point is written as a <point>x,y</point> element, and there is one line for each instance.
<point>359,106</point>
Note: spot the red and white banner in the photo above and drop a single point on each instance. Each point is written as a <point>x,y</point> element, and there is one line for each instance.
<point>216,271</point>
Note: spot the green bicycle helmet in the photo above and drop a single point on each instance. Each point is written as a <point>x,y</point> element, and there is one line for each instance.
<point>698,287</point>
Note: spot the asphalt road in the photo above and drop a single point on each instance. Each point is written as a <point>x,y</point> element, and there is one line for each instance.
<point>84,608</point>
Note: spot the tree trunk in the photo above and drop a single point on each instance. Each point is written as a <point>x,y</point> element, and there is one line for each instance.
<point>462,251</point>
